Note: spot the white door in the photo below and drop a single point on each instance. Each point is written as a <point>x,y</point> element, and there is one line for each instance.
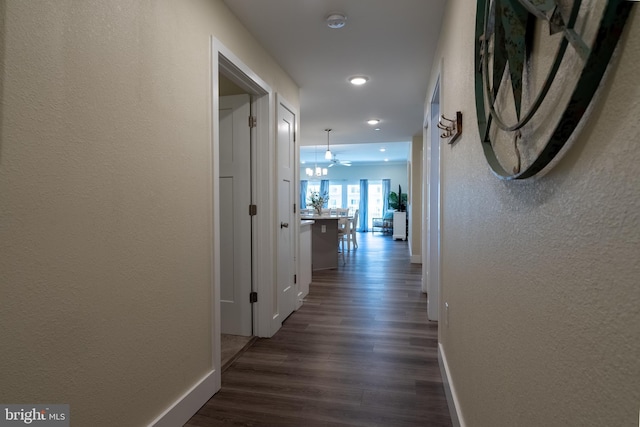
<point>285,227</point>
<point>235,222</point>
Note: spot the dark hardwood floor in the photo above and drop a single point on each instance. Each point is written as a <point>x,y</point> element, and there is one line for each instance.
<point>359,352</point>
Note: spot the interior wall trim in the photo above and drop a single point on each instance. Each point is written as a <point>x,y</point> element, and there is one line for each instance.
<point>180,411</point>
<point>449,389</point>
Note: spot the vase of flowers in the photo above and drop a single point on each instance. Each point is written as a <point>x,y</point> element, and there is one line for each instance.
<point>318,201</point>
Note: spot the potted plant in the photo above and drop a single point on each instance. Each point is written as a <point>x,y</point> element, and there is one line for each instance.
<point>318,201</point>
<point>398,201</point>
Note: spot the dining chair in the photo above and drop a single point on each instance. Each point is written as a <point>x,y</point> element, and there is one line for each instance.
<point>346,225</point>
<point>353,226</point>
<point>343,230</point>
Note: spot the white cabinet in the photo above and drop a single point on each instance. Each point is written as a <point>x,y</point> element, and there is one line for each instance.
<point>305,261</point>
<point>400,225</point>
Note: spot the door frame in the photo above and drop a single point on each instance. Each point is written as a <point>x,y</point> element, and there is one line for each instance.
<point>225,61</point>
<point>431,271</point>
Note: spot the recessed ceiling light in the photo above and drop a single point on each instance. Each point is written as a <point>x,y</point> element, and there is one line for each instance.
<point>383,150</point>
<point>373,121</point>
<point>386,160</point>
<point>336,20</point>
<point>358,80</point>
<point>377,129</point>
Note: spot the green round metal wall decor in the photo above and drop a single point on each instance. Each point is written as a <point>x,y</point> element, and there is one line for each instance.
<point>538,66</point>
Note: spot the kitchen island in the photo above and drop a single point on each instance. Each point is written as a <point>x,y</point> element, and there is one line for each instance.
<point>324,242</point>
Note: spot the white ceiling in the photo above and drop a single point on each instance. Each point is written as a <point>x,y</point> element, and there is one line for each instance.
<point>357,154</point>
<point>391,42</point>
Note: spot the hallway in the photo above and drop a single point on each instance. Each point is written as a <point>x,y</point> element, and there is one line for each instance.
<point>359,352</point>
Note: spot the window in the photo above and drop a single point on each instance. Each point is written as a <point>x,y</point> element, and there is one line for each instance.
<point>353,197</point>
<point>312,187</point>
<point>335,196</point>
<point>375,202</point>
<point>347,195</point>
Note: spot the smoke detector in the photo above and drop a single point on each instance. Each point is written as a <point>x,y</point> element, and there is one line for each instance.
<point>336,20</point>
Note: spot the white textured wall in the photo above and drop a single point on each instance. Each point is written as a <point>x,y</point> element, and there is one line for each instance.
<point>543,277</point>
<point>105,195</point>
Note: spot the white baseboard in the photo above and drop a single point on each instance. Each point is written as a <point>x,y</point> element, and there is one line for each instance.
<point>449,389</point>
<point>188,404</point>
<point>417,259</point>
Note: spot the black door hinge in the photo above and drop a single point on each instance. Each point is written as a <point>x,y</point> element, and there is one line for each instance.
<point>253,210</point>
<point>295,278</point>
<point>253,297</point>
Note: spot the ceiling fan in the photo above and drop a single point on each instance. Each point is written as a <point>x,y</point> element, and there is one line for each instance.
<point>335,161</point>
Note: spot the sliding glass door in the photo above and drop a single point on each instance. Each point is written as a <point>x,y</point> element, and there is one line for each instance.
<point>375,205</point>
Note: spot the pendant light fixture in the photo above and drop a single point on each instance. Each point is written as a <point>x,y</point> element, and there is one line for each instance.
<point>317,171</point>
<point>328,154</point>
